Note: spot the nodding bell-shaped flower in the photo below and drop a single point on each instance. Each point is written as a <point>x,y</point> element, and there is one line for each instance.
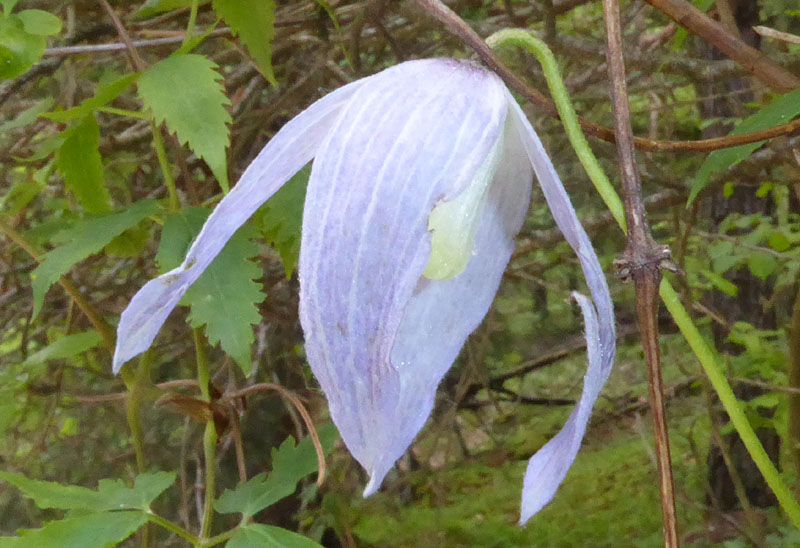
<point>421,179</point>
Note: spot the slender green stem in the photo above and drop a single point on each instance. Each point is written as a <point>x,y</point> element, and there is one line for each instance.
<point>137,387</point>
<point>687,327</point>
<point>125,112</point>
<point>732,406</point>
<point>210,434</point>
<point>161,153</point>
<point>192,22</point>
<point>525,40</point>
<point>137,384</point>
<point>174,528</point>
<point>219,539</point>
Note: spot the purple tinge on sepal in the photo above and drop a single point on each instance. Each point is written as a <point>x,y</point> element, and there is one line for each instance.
<point>548,467</point>
<point>414,136</point>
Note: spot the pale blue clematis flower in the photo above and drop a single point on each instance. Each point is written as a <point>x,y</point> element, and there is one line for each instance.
<point>421,179</point>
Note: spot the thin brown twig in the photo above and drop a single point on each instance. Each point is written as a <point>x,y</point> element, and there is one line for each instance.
<point>94,316</point>
<point>641,260</point>
<point>65,51</point>
<point>268,386</point>
<point>136,60</point>
<point>468,36</point>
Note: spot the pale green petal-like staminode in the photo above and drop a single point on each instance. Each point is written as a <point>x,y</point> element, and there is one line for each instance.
<point>453,223</point>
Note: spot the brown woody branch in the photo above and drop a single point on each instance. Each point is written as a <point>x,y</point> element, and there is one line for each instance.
<point>756,63</point>
<point>464,32</point>
<point>641,260</point>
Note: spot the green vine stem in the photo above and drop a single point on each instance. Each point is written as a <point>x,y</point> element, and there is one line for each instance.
<point>161,153</point>
<point>715,374</point>
<point>525,40</point>
<point>191,24</point>
<point>137,384</point>
<point>209,435</point>
<point>174,528</point>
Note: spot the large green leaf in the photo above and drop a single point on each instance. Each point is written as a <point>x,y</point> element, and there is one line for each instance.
<point>225,298</point>
<point>111,494</point>
<point>779,111</point>
<point>290,464</point>
<point>84,238</point>
<point>65,347</point>
<point>19,49</point>
<point>102,96</point>
<point>281,218</point>
<point>184,91</point>
<point>88,531</point>
<point>254,22</point>
<point>39,22</point>
<point>78,161</point>
<point>256,535</point>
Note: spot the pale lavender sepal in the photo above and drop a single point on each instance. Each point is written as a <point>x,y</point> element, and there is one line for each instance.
<point>548,467</point>
<point>414,135</point>
<point>285,154</point>
<point>442,314</point>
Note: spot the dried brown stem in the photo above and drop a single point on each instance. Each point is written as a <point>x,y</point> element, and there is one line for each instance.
<point>136,60</point>
<point>641,260</point>
<point>459,28</point>
<point>268,386</point>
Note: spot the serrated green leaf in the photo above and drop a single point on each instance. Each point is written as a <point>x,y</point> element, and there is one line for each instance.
<point>84,238</point>
<point>65,347</point>
<point>110,494</point>
<point>78,161</point>
<point>225,297</point>
<point>257,535</point>
<point>131,242</point>
<point>39,22</point>
<point>290,464</point>
<point>281,218</point>
<point>253,21</point>
<point>103,95</point>
<point>89,531</point>
<point>184,91</point>
<point>780,111</point>
<point>762,265</point>
<point>19,50</point>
